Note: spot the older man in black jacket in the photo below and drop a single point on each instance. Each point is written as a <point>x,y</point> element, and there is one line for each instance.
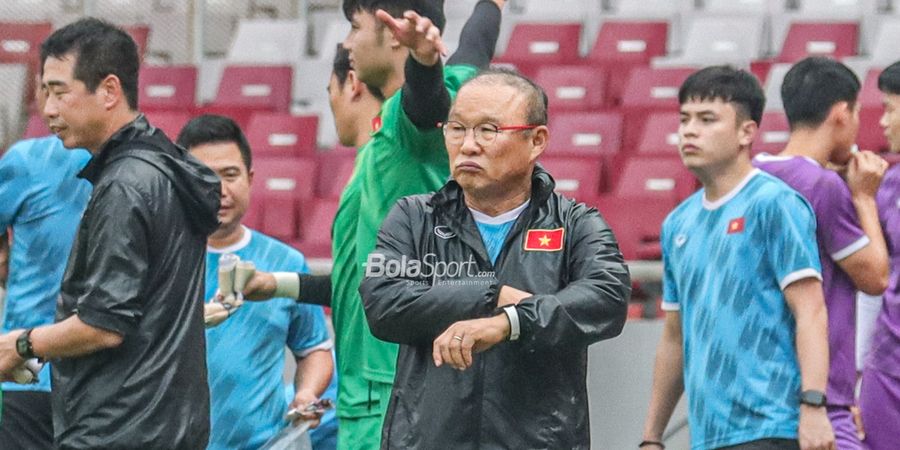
<point>128,348</point>
<point>495,286</point>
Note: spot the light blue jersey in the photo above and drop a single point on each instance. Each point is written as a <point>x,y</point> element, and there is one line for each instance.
<point>726,264</point>
<point>42,200</point>
<point>245,354</point>
<point>494,230</point>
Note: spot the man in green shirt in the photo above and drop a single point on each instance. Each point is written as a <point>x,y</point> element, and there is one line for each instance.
<point>396,52</point>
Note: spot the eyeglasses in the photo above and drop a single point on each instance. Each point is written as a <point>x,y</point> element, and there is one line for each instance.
<point>485,133</point>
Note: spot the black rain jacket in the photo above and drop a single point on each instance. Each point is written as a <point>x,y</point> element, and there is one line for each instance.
<point>430,269</point>
<point>137,268</point>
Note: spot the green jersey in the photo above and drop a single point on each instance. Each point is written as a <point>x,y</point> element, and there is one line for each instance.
<point>399,160</point>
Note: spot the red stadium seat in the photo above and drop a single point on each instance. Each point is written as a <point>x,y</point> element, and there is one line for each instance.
<point>871,136</point>
<point>572,88</point>
<point>773,133</point>
<point>21,42</point>
<point>167,88</point>
<point>577,178</point>
<point>283,186</point>
<point>140,34</point>
<point>596,134</point>
<point>654,177</point>
<point>623,45</point>
<point>335,170</point>
<point>170,122</point>
<point>315,241</point>
<point>636,223</point>
<point>660,135</point>
<point>649,90</point>
<point>629,42</point>
<point>535,44</point>
<point>36,127</point>
<point>280,134</point>
<point>255,88</point>
<point>832,39</point>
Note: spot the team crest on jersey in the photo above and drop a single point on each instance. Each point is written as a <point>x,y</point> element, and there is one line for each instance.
<point>444,232</point>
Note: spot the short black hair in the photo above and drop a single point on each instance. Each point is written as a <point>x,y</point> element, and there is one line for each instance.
<point>812,86</point>
<point>101,49</point>
<point>735,86</point>
<point>212,129</point>
<point>536,108</point>
<point>432,9</point>
<point>889,80</point>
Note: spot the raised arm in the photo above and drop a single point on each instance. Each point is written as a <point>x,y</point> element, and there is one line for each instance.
<point>868,266</point>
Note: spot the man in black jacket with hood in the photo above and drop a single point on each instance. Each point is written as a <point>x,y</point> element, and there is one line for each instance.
<point>494,286</point>
<point>127,350</point>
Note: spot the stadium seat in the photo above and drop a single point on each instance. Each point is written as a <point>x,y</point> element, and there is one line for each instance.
<point>622,41</point>
<point>654,177</point>
<point>832,39</point>
<point>167,88</point>
<point>734,40</point>
<point>636,223</point>
<point>659,136</point>
<point>283,186</point>
<point>170,122</point>
<point>871,136</point>
<point>316,221</point>
<point>773,133</point>
<point>280,134</point>
<point>256,88</point>
<point>141,35</point>
<point>597,134</point>
<point>648,8</point>
<point>649,90</point>
<point>577,178</point>
<point>21,42</point>
<point>572,88</point>
<point>335,169</point>
<point>533,45</point>
<point>268,41</point>
<point>742,7</point>
<point>36,127</point>
<point>882,49</point>
<point>772,86</point>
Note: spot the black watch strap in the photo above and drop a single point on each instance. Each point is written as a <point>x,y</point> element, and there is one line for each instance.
<point>813,398</point>
<point>23,345</point>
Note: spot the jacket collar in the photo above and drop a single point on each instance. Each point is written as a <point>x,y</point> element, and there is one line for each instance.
<point>137,127</point>
<point>451,198</point>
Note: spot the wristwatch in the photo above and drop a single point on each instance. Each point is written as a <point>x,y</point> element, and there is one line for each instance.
<point>813,398</point>
<point>23,345</point>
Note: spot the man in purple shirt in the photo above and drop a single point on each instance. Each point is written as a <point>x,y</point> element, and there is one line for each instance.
<point>879,398</point>
<point>820,100</point>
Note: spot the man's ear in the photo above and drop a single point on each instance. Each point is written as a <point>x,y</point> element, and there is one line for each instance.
<point>540,137</point>
<point>110,92</point>
<point>355,85</point>
<point>747,132</point>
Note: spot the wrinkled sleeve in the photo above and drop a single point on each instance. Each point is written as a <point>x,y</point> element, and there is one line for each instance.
<point>791,250</point>
<point>407,309</point>
<point>593,306</point>
<point>14,187</point>
<point>117,261</point>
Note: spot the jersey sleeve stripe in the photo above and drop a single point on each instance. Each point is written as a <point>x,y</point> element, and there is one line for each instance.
<point>799,275</point>
<point>850,249</point>
<point>326,345</point>
<point>670,306</point>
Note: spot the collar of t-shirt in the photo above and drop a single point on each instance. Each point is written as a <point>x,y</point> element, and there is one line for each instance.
<point>245,240</point>
<point>495,229</point>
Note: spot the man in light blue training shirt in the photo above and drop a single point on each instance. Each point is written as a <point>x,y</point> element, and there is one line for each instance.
<point>245,353</point>
<point>746,327</point>
<point>41,200</point>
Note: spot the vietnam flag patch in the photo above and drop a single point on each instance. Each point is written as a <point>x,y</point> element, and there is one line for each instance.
<point>544,240</point>
<point>736,226</point>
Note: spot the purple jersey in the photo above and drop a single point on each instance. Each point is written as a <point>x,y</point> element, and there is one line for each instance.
<point>884,354</point>
<point>839,235</point>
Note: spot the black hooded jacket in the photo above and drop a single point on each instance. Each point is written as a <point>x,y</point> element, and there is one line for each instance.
<point>137,268</point>
<point>430,269</point>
